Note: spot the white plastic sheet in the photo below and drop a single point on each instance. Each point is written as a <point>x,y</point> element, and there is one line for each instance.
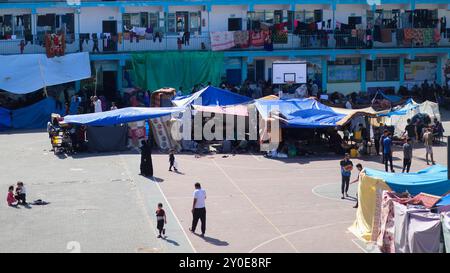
<point>22,74</point>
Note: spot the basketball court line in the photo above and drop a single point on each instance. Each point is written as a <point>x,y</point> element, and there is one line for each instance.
<point>297,231</point>
<point>173,212</point>
<point>140,199</point>
<point>254,206</point>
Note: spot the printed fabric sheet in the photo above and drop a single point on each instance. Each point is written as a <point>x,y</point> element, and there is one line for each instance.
<point>385,239</point>
<point>401,220</point>
<point>222,40</point>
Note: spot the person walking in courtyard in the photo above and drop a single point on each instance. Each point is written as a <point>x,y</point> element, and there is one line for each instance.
<point>146,159</point>
<point>346,172</point>
<point>172,161</point>
<point>198,209</point>
<point>428,142</point>
<point>161,220</point>
<point>407,154</point>
<point>360,168</point>
<point>411,130</point>
<point>387,151</point>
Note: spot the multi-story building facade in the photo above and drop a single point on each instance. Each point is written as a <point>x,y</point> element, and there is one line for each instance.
<point>350,45</point>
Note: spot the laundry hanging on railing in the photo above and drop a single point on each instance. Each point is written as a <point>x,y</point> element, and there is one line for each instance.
<point>222,40</point>
<point>55,45</point>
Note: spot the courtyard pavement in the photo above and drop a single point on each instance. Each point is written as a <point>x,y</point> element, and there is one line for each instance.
<point>99,203</point>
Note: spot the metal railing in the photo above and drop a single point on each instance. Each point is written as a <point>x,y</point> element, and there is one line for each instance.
<point>124,43</point>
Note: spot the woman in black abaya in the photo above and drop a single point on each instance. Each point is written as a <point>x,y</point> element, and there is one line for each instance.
<point>148,159</point>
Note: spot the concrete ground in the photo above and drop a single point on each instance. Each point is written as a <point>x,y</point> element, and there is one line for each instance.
<point>99,203</point>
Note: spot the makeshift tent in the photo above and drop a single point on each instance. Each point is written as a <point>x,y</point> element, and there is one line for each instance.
<point>107,139</point>
<point>424,232</point>
<point>124,115</point>
<point>154,70</point>
<point>398,116</point>
<point>211,96</point>
<point>432,180</point>
<point>298,113</point>
<point>391,98</point>
<point>30,72</point>
<point>352,113</point>
<point>34,116</point>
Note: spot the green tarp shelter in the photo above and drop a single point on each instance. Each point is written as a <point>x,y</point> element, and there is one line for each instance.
<point>155,70</point>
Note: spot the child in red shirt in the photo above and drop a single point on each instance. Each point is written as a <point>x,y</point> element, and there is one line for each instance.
<point>161,220</point>
<point>10,197</point>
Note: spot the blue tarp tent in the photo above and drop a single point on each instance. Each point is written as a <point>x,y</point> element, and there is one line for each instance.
<point>34,116</point>
<point>432,180</point>
<point>402,110</point>
<point>124,115</point>
<point>299,113</point>
<point>211,96</point>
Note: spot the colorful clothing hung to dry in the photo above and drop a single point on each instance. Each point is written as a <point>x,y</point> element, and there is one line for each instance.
<point>257,38</point>
<point>386,35</point>
<point>241,38</point>
<point>54,45</point>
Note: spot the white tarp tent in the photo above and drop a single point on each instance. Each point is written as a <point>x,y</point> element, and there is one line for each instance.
<point>398,117</point>
<point>22,74</point>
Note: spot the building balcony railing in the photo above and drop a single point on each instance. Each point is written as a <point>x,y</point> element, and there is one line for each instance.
<point>116,44</point>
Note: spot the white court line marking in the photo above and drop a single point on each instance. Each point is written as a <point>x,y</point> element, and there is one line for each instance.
<point>360,247</point>
<point>297,231</point>
<point>323,196</point>
<point>140,199</point>
<point>254,205</point>
<point>173,212</point>
<point>255,157</point>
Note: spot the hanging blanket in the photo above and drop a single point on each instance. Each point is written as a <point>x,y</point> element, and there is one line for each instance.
<point>280,37</point>
<point>385,239</point>
<point>241,38</point>
<point>401,220</point>
<point>424,232</point>
<point>222,40</point>
<point>55,45</point>
<point>386,35</point>
<point>257,38</point>
<point>427,36</point>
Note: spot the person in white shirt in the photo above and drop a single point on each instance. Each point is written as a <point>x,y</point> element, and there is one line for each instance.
<point>198,209</point>
<point>301,91</point>
<point>97,105</point>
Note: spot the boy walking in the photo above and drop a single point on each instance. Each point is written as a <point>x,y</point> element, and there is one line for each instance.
<point>359,167</point>
<point>407,155</point>
<point>161,220</point>
<point>387,151</point>
<point>346,172</point>
<point>172,161</point>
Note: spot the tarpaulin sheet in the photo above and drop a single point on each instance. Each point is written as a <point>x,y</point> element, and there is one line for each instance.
<point>401,110</point>
<point>432,180</point>
<point>445,219</point>
<point>36,115</point>
<point>30,72</point>
<point>445,201</point>
<point>107,139</point>
<point>5,118</point>
<point>424,232</point>
<point>154,70</point>
<point>123,115</point>
<point>391,98</point>
<point>299,113</point>
<point>211,96</point>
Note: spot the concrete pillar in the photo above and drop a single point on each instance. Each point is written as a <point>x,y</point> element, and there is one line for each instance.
<point>402,70</point>
<point>244,67</point>
<point>324,74</point>
<point>439,71</point>
<point>119,77</point>
<point>363,74</point>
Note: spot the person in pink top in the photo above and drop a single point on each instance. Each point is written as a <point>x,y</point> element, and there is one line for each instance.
<point>10,197</point>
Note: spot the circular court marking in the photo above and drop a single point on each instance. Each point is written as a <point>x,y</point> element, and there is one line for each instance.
<point>332,191</point>
<point>298,231</point>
